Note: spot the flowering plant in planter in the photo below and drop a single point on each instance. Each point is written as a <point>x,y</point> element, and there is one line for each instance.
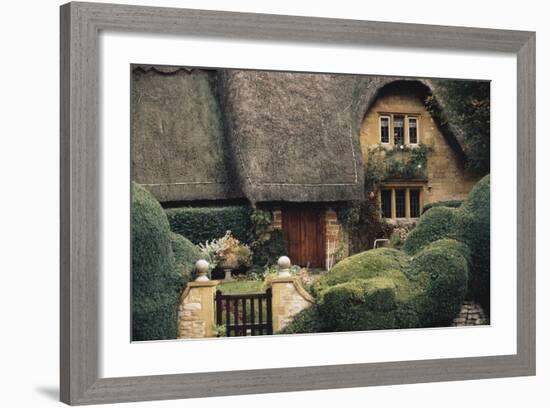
<point>227,252</point>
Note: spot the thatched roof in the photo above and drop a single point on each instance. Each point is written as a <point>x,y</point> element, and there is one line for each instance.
<point>266,136</point>
<point>178,146</point>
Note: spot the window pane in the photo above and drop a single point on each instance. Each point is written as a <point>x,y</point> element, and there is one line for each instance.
<point>384,130</point>
<point>413,131</point>
<point>398,130</point>
<point>400,203</point>
<point>415,203</point>
<point>386,203</point>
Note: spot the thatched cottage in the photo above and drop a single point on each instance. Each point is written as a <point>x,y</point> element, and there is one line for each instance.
<point>295,143</point>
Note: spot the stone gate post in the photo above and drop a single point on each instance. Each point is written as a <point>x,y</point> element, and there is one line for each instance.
<point>196,317</point>
<point>288,296</point>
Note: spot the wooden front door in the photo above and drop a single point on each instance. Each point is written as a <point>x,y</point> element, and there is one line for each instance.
<point>304,230</point>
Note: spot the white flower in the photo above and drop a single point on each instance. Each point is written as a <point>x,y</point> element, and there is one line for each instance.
<point>401,147</point>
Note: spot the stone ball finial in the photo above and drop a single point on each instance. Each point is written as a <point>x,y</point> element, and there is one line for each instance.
<point>284,266</point>
<point>202,270</point>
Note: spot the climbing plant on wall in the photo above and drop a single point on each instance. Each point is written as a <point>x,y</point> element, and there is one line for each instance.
<point>362,219</point>
<point>396,162</point>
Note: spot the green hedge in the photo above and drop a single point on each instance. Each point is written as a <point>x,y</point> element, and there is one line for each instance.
<point>474,223</point>
<point>441,269</point>
<point>448,203</point>
<point>155,281</point>
<point>361,304</point>
<point>438,223</point>
<point>186,254</point>
<point>307,321</point>
<point>365,265</point>
<point>201,224</point>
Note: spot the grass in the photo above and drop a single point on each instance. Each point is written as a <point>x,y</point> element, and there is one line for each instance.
<point>241,287</point>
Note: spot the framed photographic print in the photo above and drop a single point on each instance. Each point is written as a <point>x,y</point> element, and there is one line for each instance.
<point>261,203</point>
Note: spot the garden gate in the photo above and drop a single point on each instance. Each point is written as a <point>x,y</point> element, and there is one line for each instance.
<point>244,314</point>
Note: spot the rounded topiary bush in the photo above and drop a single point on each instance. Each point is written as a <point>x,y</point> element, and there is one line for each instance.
<point>441,270</point>
<point>382,302</point>
<point>155,281</point>
<point>369,264</point>
<point>307,321</point>
<point>361,304</point>
<point>474,224</point>
<point>186,254</point>
<point>447,203</point>
<point>437,223</point>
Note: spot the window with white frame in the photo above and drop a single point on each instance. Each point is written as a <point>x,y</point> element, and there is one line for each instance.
<point>385,129</point>
<point>413,130</point>
<point>403,127</point>
<point>398,130</point>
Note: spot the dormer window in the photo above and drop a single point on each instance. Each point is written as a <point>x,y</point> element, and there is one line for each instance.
<point>403,127</point>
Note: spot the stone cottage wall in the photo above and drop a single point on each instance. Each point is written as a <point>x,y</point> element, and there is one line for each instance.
<point>447,179</point>
<point>337,239</point>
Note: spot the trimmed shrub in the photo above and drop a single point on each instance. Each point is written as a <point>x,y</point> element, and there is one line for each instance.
<point>438,223</point>
<point>362,304</point>
<point>365,265</point>
<point>474,224</point>
<point>155,281</point>
<point>441,269</point>
<point>448,203</point>
<point>307,321</point>
<point>186,254</point>
<point>201,224</point>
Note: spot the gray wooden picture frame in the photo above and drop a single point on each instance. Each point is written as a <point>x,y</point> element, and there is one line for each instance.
<point>80,192</point>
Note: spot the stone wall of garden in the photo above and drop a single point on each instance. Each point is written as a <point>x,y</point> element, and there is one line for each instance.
<point>196,311</point>
<point>289,299</point>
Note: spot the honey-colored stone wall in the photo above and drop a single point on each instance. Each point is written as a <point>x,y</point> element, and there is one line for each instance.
<point>337,239</point>
<point>446,177</point>
<point>196,318</point>
<point>288,299</point>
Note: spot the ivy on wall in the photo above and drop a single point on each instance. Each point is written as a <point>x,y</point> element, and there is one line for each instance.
<point>396,162</point>
<point>362,219</point>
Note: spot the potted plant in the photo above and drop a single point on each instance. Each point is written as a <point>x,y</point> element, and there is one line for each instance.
<point>228,253</point>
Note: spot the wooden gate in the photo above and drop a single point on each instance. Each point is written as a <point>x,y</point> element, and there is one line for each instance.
<point>244,314</point>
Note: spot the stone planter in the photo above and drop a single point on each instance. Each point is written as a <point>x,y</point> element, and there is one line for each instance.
<point>227,267</point>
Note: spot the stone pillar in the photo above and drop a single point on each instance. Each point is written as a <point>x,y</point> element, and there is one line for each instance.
<point>196,317</point>
<point>288,296</point>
